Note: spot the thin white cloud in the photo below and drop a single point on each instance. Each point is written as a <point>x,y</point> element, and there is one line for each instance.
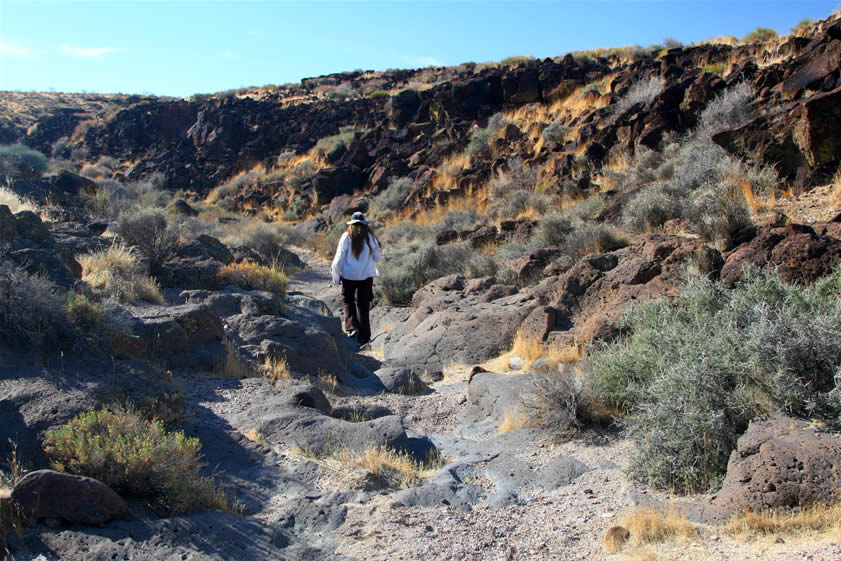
<point>72,50</point>
<point>8,49</point>
<point>421,61</point>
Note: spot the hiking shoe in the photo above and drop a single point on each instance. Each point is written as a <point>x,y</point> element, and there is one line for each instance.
<point>351,333</point>
<point>365,347</point>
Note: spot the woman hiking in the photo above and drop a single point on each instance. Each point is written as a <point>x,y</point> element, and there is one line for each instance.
<point>354,267</point>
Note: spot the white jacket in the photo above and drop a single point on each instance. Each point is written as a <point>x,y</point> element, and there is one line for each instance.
<point>347,265</point>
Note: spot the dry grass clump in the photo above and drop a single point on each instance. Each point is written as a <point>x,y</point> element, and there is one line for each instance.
<point>809,521</point>
<point>136,457</point>
<point>530,350</point>
<point>83,312</point>
<point>515,420</point>
<point>117,271</point>
<point>250,276</point>
<point>232,366</point>
<point>389,468</point>
<point>648,525</point>
<point>276,368</point>
<point>15,202</point>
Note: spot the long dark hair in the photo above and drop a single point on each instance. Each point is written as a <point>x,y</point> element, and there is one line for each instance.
<point>359,235</point>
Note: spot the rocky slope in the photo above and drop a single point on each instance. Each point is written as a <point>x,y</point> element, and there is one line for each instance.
<point>438,385</point>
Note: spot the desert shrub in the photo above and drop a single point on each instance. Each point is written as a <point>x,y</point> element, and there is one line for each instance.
<point>329,143</point>
<point>671,43</point>
<point>31,308</point>
<point>250,276</point>
<point>391,199</point>
<point>592,237</point>
<point>730,109</point>
<point>418,262</point>
<point>342,91</point>
<point>643,91</point>
<point>266,239</point>
<point>516,60</point>
<point>695,180</point>
<point>693,372</point>
<point>459,220</point>
<point>760,35</point>
<point>302,173</point>
<point>559,401</point>
<point>518,177</point>
<point>379,94</point>
<point>479,144</point>
<point>405,231</point>
<point>136,457</point>
<point>118,272</point>
<point>83,312</point>
<point>553,229</point>
<point>14,158</point>
<point>148,231</point>
<point>804,27</point>
<point>555,132</point>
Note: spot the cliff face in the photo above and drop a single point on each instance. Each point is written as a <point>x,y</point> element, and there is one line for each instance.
<point>408,128</point>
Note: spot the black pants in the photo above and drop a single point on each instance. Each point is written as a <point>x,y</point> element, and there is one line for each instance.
<point>357,296</point>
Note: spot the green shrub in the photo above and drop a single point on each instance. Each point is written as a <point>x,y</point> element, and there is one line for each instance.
<point>379,94</point>
<point>31,309</point>
<point>760,35</point>
<point>136,457</point>
<point>148,231</point>
<point>83,312</point>
<point>329,143</point>
<point>518,177</point>
<point>692,373</point>
<point>14,157</point>
<point>479,144</point>
<point>516,60</point>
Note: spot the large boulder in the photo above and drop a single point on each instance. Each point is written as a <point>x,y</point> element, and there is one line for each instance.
<point>187,336</point>
<point>196,264</point>
<point>454,319</point>
<point>72,498</point>
<point>780,462</point>
<point>796,251</point>
<point>300,329</point>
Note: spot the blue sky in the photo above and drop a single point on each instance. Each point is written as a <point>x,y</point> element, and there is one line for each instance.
<point>184,47</point>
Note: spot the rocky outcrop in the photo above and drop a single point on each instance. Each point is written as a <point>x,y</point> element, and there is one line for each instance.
<point>780,462</point>
<point>71,498</point>
<point>797,252</point>
<point>582,304</point>
<point>454,319</point>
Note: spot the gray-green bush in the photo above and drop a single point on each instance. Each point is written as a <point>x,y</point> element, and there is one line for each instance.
<point>391,199</point>
<point>14,157</point>
<point>31,308</point>
<point>692,373</point>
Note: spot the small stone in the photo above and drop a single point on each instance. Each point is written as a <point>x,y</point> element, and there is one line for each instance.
<point>428,528</point>
<point>608,515</point>
<point>779,540</point>
<point>445,502</point>
<point>515,363</point>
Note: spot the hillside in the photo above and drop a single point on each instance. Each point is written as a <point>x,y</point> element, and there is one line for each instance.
<point>607,324</point>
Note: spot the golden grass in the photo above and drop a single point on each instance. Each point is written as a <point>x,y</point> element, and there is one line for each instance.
<point>251,276</point>
<point>232,366</point>
<point>15,202</point>
<point>754,203</point>
<point>255,436</point>
<point>449,170</point>
<point>530,349</point>
<point>817,521</point>
<point>276,368</point>
<point>835,197</point>
<point>437,213</point>
<point>117,271</point>
<point>514,419</point>
<point>386,466</point>
<point>648,525</point>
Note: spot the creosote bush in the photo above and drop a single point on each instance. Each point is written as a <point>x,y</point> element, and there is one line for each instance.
<point>250,276</point>
<point>136,457</point>
<point>695,371</point>
<point>644,91</point>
